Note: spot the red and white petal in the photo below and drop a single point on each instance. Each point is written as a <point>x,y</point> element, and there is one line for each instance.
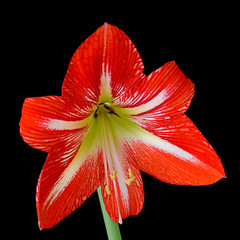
<point>122,62</point>
<point>69,176</point>
<point>122,187</point>
<point>105,63</point>
<point>184,134</point>
<point>124,195</point>
<point>177,154</point>
<point>83,75</point>
<point>164,96</point>
<point>51,121</point>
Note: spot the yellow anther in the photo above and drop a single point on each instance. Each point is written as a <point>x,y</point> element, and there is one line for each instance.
<point>130,180</point>
<point>107,189</point>
<point>113,175</point>
<point>130,172</point>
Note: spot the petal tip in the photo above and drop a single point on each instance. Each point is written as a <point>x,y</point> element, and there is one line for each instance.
<point>40,225</point>
<point>105,24</point>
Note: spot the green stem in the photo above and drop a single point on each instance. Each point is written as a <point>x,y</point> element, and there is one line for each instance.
<point>112,228</point>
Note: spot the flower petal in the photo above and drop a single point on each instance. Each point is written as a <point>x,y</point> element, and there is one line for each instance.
<point>123,198</point>
<point>107,61</point>
<point>164,96</point>
<point>177,154</point>
<point>122,62</point>
<point>121,187</point>
<point>69,176</point>
<point>51,121</point>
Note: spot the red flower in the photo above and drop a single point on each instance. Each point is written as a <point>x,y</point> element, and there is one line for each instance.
<point>111,121</point>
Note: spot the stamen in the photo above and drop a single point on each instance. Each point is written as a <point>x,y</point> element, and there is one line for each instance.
<point>130,172</point>
<point>111,110</point>
<point>113,175</point>
<point>107,107</point>
<point>130,180</point>
<point>95,113</point>
<point>107,189</point>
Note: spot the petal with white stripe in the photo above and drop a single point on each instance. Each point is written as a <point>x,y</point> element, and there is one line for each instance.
<point>51,121</point>
<point>106,64</point>
<point>177,154</point>
<point>69,176</point>
<point>122,187</point>
<point>162,97</point>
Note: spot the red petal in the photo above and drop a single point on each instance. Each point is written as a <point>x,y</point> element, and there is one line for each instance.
<point>164,96</point>
<point>121,60</point>
<point>66,181</point>
<point>123,200</point>
<point>177,154</point>
<point>107,53</point>
<point>50,121</point>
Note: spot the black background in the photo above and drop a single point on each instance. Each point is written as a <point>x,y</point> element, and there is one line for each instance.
<point>200,38</point>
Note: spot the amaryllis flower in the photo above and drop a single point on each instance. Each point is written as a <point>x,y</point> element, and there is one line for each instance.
<point>110,122</point>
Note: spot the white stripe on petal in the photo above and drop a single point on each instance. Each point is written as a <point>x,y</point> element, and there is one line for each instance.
<point>105,87</point>
<point>161,97</point>
<point>112,155</point>
<point>88,148</point>
<point>130,131</point>
<point>69,173</point>
<point>167,147</point>
<point>55,124</point>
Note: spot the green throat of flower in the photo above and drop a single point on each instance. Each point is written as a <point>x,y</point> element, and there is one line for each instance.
<point>109,127</point>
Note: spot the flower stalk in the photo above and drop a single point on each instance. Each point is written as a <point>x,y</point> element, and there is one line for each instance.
<point>112,227</point>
